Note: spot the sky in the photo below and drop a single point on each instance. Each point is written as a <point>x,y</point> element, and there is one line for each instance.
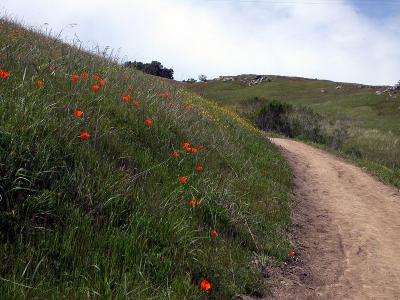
<point>341,40</point>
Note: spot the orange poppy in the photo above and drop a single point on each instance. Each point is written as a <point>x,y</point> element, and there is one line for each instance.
<point>193,150</point>
<point>3,74</point>
<point>39,83</point>
<point>183,180</point>
<point>201,147</point>
<point>292,253</point>
<point>78,113</point>
<point>205,285</point>
<point>85,75</point>
<point>213,233</point>
<point>188,149</point>
<point>186,145</point>
<point>102,82</point>
<point>175,155</point>
<point>126,98</point>
<point>95,88</point>
<point>74,78</point>
<point>148,122</point>
<point>199,168</point>
<point>189,107</point>
<point>84,135</point>
<point>194,203</point>
<point>96,78</point>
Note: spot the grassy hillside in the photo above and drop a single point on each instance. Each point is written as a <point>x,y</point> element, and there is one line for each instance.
<point>370,122</point>
<point>100,197</point>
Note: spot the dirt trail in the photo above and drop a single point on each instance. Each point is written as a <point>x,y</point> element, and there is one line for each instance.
<point>347,225</point>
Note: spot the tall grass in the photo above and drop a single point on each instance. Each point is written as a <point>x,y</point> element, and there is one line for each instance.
<point>107,217</point>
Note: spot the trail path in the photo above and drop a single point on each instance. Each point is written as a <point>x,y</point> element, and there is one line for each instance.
<point>347,225</point>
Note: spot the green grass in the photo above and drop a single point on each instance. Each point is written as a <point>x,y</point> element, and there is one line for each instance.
<point>106,217</point>
<point>373,121</point>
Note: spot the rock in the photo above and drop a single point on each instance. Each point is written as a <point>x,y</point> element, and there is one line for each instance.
<point>323,91</point>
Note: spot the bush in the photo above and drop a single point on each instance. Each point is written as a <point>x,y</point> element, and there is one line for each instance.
<point>274,117</point>
<point>285,119</point>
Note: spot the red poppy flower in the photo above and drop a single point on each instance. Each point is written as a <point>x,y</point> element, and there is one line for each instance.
<point>201,147</point>
<point>183,180</point>
<point>205,285</point>
<point>193,150</point>
<point>199,168</point>
<point>102,82</point>
<point>148,122</point>
<point>188,149</point>
<point>95,88</point>
<point>85,75</point>
<point>213,233</point>
<point>74,78</point>
<point>292,253</point>
<point>194,203</point>
<point>175,155</point>
<point>126,98</point>
<point>39,83</point>
<point>96,78</point>
<point>78,113</point>
<point>3,74</point>
<point>84,135</point>
<point>136,103</point>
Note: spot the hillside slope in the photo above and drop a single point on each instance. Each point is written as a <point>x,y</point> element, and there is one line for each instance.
<point>367,123</point>
<point>114,184</point>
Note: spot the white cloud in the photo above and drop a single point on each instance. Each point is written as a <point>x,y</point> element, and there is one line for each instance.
<point>332,41</point>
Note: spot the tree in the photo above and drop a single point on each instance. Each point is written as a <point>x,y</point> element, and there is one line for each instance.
<point>154,68</point>
<point>203,78</point>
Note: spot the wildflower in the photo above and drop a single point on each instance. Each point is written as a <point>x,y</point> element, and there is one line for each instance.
<point>205,285</point>
<point>193,150</point>
<point>183,180</point>
<point>292,253</point>
<point>95,88</point>
<point>148,122</point>
<point>96,78</point>
<point>3,74</point>
<point>136,103</point>
<point>199,168</point>
<point>84,135</point>
<point>213,233</point>
<point>171,105</point>
<point>78,113</point>
<point>201,147</point>
<point>126,77</point>
<point>189,107</point>
<point>85,75</point>
<point>175,155</point>
<point>126,98</point>
<point>188,149</point>
<point>39,83</point>
<point>102,82</point>
<point>74,78</point>
<point>186,145</point>
<point>194,203</point>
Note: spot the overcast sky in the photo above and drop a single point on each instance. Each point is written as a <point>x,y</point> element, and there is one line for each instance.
<point>342,40</point>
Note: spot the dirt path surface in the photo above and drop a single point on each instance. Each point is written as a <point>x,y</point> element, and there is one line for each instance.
<point>347,226</point>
